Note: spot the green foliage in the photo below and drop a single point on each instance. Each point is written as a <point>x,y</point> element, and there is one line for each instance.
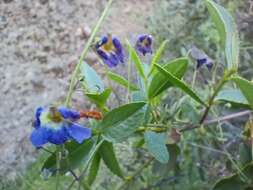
<point>107,153</point>
<point>246,87</point>
<point>180,84</point>
<point>157,56</point>
<point>92,81</point>
<point>94,167</point>
<point>136,60</point>
<point>99,99</point>
<point>227,30</point>
<point>125,129</point>
<point>240,181</point>
<point>120,114</point>
<point>233,96</point>
<point>156,145</point>
<point>160,82</point>
<point>122,81</point>
<point>75,155</point>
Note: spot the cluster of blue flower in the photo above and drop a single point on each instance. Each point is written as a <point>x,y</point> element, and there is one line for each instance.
<point>110,50</point>
<point>58,125</point>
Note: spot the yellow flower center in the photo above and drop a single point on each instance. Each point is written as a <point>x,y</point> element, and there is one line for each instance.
<point>144,43</point>
<point>54,115</point>
<point>108,46</point>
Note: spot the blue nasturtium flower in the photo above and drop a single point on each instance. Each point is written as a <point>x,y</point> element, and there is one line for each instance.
<point>144,44</point>
<point>110,50</point>
<point>202,58</point>
<point>56,126</point>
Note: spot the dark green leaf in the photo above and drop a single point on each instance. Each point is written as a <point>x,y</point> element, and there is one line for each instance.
<point>160,82</point>
<point>92,81</point>
<point>227,30</point>
<point>76,154</point>
<point>135,58</point>
<point>156,144</point>
<point>120,114</point>
<point>94,167</point>
<point>245,153</point>
<point>107,153</point>
<point>233,96</point>
<point>163,169</point>
<point>122,81</point>
<point>101,98</point>
<point>235,181</point>
<point>180,84</point>
<point>122,131</point>
<point>157,55</point>
<point>246,88</point>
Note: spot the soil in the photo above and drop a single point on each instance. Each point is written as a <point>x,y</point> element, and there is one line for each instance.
<point>40,44</point>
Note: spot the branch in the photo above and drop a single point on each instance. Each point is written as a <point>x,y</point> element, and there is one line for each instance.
<point>216,120</point>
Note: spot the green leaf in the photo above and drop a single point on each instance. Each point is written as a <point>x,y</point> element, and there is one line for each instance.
<point>180,84</point>
<point>135,58</point>
<point>227,30</point>
<point>157,55</point>
<point>163,169</point>
<point>160,82</point>
<point>99,98</point>
<point>234,96</point>
<point>92,81</point>
<point>121,81</point>
<point>76,154</point>
<point>94,167</point>
<point>120,114</point>
<point>107,153</point>
<point>235,181</point>
<point>245,153</point>
<point>246,88</point>
<point>156,144</point>
<point>120,132</point>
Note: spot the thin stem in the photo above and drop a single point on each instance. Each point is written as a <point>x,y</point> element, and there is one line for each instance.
<point>74,175</point>
<point>207,148</point>
<point>194,78</point>
<point>223,153</point>
<point>46,150</point>
<point>85,51</point>
<point>79,179</point>
<point>216,120</point>
<point>58,163</point>
<point>216,91</point>
<point>251,136</point>
<point>128,78</point>
<point>71,185</point>
<point>135,174</point>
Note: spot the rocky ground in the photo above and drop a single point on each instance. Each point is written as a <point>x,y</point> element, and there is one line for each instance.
<point>40,42</point>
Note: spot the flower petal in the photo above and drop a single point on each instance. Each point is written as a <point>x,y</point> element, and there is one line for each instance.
<point>201,62</point>
<point>117,44</point>
<point>58,136</point>
<point>78,132</point>
<point>68,113</point>
<point>39,136</point>
<point>144,44</point>
<point>102,54</point>
<point>38,112</point>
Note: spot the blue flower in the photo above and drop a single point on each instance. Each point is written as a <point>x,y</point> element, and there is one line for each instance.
<point>110,50</point>
<point>201,58</point>
<point>144,44</point>
<point>56,126</point>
